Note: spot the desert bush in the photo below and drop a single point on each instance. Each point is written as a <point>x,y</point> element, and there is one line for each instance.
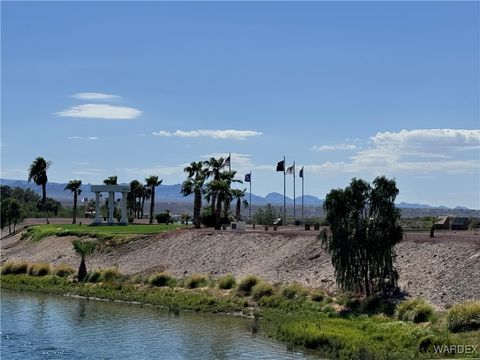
<point>111,275</point>
<point>246,284</point>
<point>93,276</point>
<point>226,282</point>
<point>7,268</point>
<point>19,267</point>
<point>63,270</point>
<point>262,289</point>
<point>195,281</point>
<point>161,279</point>
<point>40,269</point>
<point>416,310</point>
<point>464,316</point>
<point>293,290</point>
<point>317,296</point>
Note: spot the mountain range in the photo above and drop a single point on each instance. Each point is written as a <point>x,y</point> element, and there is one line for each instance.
<point>172,194</point>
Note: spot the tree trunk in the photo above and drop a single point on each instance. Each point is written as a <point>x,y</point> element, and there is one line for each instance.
<point>218,212</point>
<point>143,206</point>
<point>44,201</point>
<point>152,205</point>
<point>367,284</point>
<point>238,209</point>
<point>82,270</point>
<point>214,200</point>
<point>197,206</point>
<point>74,207</point>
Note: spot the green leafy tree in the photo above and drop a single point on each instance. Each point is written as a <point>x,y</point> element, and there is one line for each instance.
<point>11,213</point>
<point>152,182</point>
<point>364,229</point>
<point>74,187</point>
<point>434,220</point>
<point>38,173</point>
<point>266,215</point>
<point>185,217</point>
<point>194,185</point>
<point>83,248</point>
<point>238,196</point>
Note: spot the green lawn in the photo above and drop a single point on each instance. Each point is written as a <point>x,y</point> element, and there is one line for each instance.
<point>39,232</point>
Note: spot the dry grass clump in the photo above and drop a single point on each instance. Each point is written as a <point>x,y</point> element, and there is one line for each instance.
<point>416,310</point>
<point>40,269</point>
<point>245,286</point>
<point>63,270</point>
<point>262,289</point>
<point>161,279</point>
<point>227,282</point>
<point>464,316</point>
<point>195,281</point>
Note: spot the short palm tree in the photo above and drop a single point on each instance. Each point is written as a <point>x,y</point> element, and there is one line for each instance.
<point>38,172</point>
<point>83,248</point>
<point>194,185</point>
<point>111,180</point>
<point>152,182</point>
<point>212,169</point>
<point>238,195</point>
<point>74,187</point>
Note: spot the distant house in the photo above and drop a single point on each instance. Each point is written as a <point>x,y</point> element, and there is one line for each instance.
<point>442,223</point>
<point>460,223</point>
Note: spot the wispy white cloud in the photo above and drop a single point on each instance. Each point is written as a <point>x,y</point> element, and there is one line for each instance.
<point>159,170</point>
<point>214,134</point>
<point>95,96</point>
<point>420,151</point>
<point>93,172</point>
<point>83,138</point>
<point>100,111</point>
<point>334,147</point>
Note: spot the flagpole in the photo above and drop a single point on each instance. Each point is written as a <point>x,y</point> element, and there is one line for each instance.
<point>250,207</point>
<point>284,194</point>
<point>303,176</point>
<point>294,207</point>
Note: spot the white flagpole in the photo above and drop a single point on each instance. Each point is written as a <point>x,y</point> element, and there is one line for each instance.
<point>294,211</point>
<point>303,176</point>
<point>250,205</point>
<point>284,222</point>
<point>229,162</point>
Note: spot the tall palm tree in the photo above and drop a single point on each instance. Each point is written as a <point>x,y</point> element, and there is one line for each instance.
<point>213,167</point>
<point>238,195</point>
<point>74,187</point>
<point>194,185</point>
<point>152,182</point>
<point>111,180</point>
<point>38,172</point>
<point>83,248</point>
<point>220,189</point>
<point>229,178</point>
<point>133,204</point>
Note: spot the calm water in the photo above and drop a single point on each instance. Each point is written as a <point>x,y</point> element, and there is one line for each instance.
<point>41,327</point>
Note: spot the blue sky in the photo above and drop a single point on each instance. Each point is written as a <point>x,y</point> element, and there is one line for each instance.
<point>345,89</point>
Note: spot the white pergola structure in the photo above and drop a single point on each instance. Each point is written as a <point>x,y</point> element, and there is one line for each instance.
<point>111,189</point>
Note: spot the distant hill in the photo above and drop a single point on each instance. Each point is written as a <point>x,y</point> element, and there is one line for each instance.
<point>171,194</point>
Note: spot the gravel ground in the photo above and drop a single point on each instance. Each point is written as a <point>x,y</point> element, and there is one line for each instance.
<point>444,270</point>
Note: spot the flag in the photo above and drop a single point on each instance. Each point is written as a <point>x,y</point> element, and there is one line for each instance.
<point>301,173</point>
<point>281,165</point>
<point>248,177</point>
<point>291,169</point>
<point>84,199</point>
<point>227,161</point>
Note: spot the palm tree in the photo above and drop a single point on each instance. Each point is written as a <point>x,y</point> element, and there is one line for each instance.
<point>213,167</point>
<point>194,185</point>
<point>135,189</point>
<point>152,182</point>
<point>83,248</point>
<point>74,187</point>
<point>228,177</point>
<point>111,180</point>
<point>221,190</point>
<point>238,195</point>
<point>38,172</point>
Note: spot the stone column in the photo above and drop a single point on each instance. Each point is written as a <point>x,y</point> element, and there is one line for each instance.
<point>111,206</point>
<point>124,219</point>
<point>97,207</point>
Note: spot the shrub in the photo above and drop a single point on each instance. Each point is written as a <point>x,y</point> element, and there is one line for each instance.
<point>163,217</point>
<point>93,276</point>
<point>293,290</point>
<point>195,281</point>
<point>317,296</point>
<point>63,270</point>
<point>110,275</point>
<point>246,284</point>
<point>464,316</point>
<point>41,269</point>
<point>226,282</point>
<point>161,279</point>
<point>20,267</point>
<point>262,289</point>
<point>7,268</point>
<point>416,310</point>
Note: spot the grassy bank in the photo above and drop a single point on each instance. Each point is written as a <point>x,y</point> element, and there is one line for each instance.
<point>297,316</point>
<point>38,232</point>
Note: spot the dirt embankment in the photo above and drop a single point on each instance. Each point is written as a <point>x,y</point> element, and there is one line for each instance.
<point>444,270</point>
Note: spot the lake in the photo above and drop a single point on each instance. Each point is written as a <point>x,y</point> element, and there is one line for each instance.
<point>55,327</point>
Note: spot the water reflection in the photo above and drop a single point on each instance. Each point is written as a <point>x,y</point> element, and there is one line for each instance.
<point>40,327</point>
